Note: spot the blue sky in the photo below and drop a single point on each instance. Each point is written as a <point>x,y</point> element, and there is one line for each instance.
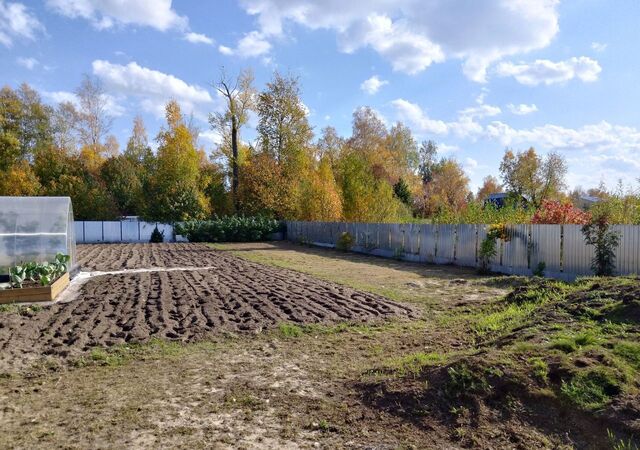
<point>476,76</point>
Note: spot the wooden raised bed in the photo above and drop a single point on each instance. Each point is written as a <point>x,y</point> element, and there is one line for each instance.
<point>35,294</point>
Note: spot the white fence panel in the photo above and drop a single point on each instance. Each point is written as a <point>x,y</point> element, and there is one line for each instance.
<point>111,231</point>
<point>93,232</point>
<point>130,231</point>
<point>79,229</point>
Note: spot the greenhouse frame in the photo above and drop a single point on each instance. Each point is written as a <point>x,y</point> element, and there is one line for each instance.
<point>35,229</point>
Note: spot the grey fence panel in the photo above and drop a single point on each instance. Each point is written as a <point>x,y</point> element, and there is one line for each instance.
<point>545,247</point>
<point>466,247</point>
<point>412,239</point>
<point>360,235</point>
<point>561,248</point>
<point>397,238</point>
<point>576,255</point>
<point>384,237</point>
<point>79,229</point>
<point>445,246</point>
<point>628,252</point>
<point>515,251</point>
<point>428,243</point>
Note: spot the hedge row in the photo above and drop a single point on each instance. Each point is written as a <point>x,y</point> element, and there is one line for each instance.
<point>229,229</point>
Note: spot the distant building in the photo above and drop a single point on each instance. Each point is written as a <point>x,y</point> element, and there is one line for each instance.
<point>500,199</point>
<point>587,201</point>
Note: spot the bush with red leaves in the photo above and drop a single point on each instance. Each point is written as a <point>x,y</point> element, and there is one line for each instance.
<point>555,212</point>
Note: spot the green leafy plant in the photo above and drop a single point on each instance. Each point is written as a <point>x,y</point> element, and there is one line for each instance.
<point>43,273</point>
<point>345,242</point>
<point>157,236</point>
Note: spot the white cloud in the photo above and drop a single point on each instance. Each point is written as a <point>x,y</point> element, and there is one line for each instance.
<point>373,85</point>
<point>480,111</point>
<point>211,136</point>
<point>225,50</point>
<point>250,45</point>
<point>599,47</point>
<point>104,14</point>
<point>414,115</point>
<point>522,109</point>
<point>152,87</point>
<point>543,71</point>
<point>27,63</point>
<point>413,34</point>
<point>111,104</point>
<point>17,22</point>
<point>197,38</point>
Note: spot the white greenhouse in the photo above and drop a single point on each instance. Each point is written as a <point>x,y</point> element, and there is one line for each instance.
<point>35,229</point>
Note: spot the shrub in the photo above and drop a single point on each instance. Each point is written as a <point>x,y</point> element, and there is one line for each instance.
<point>345,242</point>
<point>540,268</point>
<point>605,241</point>
<point>229,229</point>
<point>488,247</point>
<point>157,236</point>
<point>555,212</point>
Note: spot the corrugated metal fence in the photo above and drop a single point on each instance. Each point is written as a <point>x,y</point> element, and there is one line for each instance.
<point>91,232</point>
<point>560,247</point>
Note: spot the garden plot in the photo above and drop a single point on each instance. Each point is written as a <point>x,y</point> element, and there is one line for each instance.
<point>231,295</point>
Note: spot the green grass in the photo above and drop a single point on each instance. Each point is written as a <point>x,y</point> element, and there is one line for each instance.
<point>572,343</point>
<point>119,355</point>
<point>539,369</point>
<point>504,320</point>
<point>591,389</point>
<point>629,351</point>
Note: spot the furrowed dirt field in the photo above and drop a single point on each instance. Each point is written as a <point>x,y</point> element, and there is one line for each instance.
<point>230,295</point>
<point>281,346</point>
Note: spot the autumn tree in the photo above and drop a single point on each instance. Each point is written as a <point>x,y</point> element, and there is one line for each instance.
<point>448,189</point>
<point>94,122</point>
<point>321,199</point>
<point>25,125</point>
<point>239,95</point>
<point>329,145</point>
<point>174,188</point>
<point>529,175</point>
<point>427,160</point>
<point>490,185</point>
<point>283,128</point>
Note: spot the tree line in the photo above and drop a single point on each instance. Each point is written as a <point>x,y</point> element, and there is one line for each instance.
<point>378,174</point>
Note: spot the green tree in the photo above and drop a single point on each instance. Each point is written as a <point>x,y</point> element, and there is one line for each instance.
<point>121,179</point>
<point>537,179</point>
<point>402,192</point>
<point>283,128</point>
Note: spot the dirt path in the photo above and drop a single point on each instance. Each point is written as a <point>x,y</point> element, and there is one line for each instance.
<point>233,295</point>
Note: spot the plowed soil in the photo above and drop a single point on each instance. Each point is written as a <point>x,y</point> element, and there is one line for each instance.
<point>231,295</point>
